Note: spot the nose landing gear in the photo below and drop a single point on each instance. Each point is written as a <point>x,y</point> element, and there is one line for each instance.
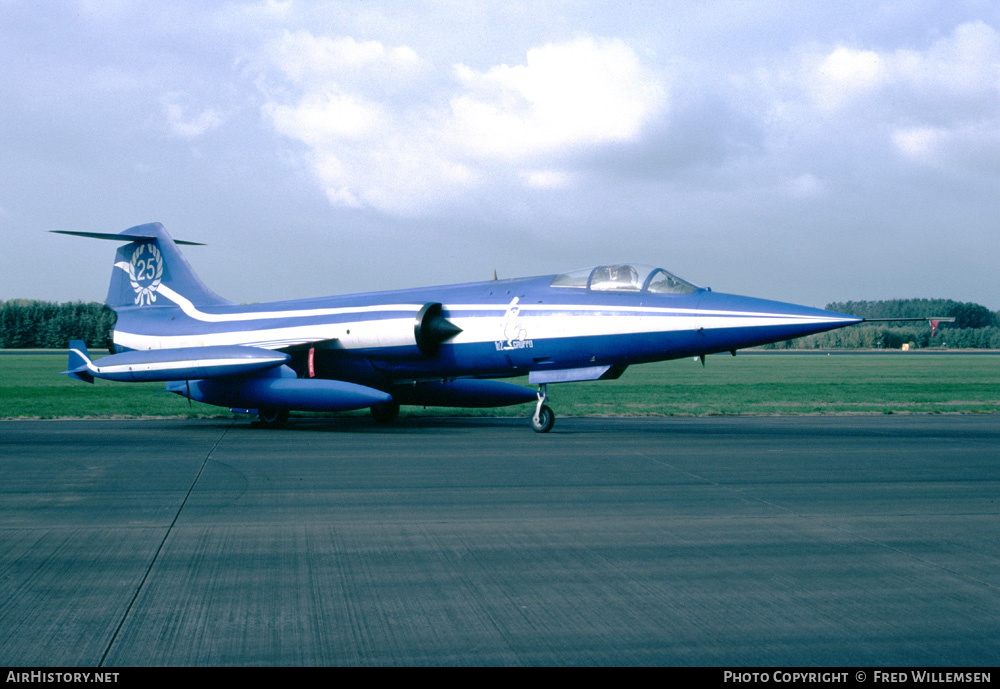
<point>543,418</point>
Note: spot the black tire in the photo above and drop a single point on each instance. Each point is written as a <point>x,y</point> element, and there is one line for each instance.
<point>546,419</point>
<point>272,418</point>
<point>387,412</point>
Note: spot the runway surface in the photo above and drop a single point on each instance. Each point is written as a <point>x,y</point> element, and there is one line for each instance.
<point>868,541</point>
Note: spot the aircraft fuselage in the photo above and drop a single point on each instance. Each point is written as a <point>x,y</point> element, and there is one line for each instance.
<point>507,328</point>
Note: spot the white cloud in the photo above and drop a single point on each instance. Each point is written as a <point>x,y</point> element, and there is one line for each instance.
<point>186,126</point>
<point>966,62</point>
<point>322,61</point>
<point>326,118</point>
<point>971,147</point>
<point>918,142</point>
<point>268,11</point>
<point>937,106</point>
<point>382,132</point>
<point>547,179</point>
<point>961,69</point>
<point>845,74</point>
<point>585,92</point>
<point>952,91</point>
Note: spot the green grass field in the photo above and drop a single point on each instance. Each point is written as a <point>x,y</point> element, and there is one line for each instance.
<point>31,387</point>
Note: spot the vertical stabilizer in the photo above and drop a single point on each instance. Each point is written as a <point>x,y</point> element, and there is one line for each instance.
<point>151,271</point>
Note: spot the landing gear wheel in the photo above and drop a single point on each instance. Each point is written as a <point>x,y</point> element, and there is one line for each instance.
<point>272,418</point>
<point>543,420</point>
<point>387,412</point>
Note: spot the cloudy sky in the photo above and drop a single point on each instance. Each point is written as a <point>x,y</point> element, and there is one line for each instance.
<point>801,151</point>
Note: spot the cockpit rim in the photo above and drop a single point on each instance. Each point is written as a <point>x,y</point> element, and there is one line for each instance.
<point>625,278</point>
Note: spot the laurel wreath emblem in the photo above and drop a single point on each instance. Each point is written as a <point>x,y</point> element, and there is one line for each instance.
<point>143,269</point>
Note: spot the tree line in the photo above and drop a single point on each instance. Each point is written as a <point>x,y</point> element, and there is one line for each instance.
<point>975,326</point>
<point>26,323</point>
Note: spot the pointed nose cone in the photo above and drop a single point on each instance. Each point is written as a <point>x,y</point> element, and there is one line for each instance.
<point>747,321</point>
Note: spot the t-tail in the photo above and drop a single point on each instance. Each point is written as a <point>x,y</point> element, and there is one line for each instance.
<point>150,271</point>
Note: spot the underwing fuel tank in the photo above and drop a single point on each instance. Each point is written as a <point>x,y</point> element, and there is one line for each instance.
<point>280,389</point>
<point>463,393</point>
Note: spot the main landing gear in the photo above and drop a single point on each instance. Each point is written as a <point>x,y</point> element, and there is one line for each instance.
<point>543,418</point>
<point>386,412</point>
<point>272,418</point>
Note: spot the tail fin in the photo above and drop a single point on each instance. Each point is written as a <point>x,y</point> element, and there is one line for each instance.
<point>79,362</point>
<point>151,271</point>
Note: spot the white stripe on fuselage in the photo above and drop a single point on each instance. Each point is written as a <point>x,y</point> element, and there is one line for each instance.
<point>374,333</point>
<point>194,312</point>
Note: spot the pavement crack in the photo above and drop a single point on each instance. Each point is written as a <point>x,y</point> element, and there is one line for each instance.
<point>159,548</point>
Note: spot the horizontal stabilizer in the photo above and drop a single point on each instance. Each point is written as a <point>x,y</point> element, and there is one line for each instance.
<point>79,362</point>
<point>80,373</point>
<point>126,236</point>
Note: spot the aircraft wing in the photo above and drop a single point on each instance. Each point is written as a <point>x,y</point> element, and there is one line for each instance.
<point>185,363</point>
<point>226,375</point>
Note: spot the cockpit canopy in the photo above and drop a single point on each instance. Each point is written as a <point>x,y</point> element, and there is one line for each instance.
<point>625,277</point>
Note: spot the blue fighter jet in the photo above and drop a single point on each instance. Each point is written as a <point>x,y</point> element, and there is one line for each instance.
<point>435,346</point>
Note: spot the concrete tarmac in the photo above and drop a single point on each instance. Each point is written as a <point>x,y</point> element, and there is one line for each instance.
<point>749,541</point>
